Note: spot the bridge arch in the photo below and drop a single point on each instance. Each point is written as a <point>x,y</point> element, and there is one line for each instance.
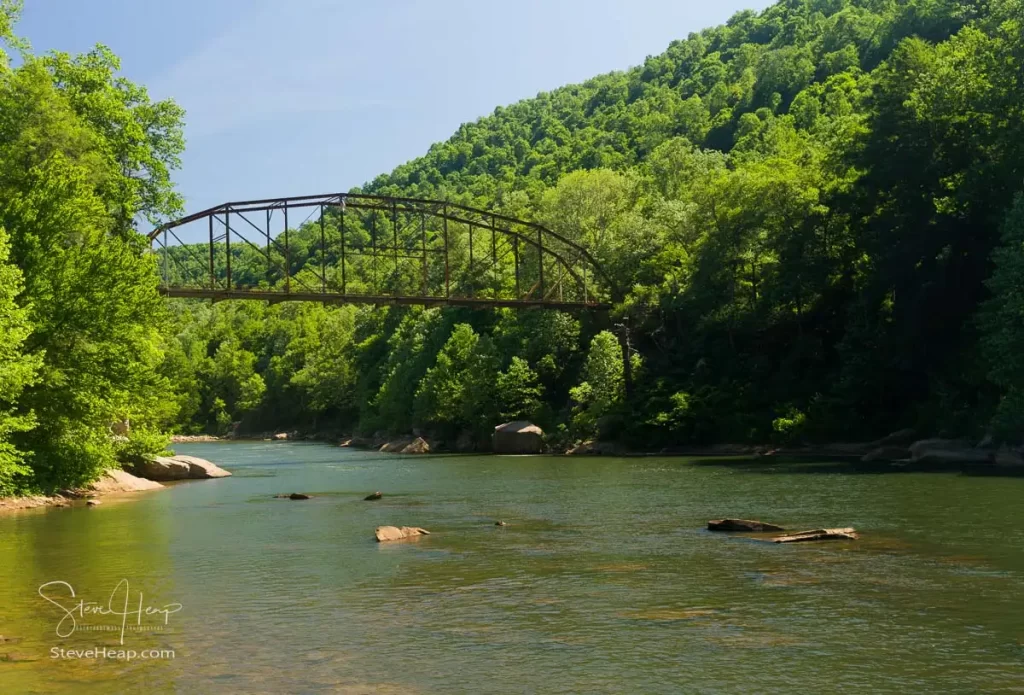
<point>358,248</point>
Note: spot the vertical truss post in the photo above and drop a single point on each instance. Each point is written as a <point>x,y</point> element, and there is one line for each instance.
<point>167,270</point>
<point>472,280</point>
<point>213,277</point>
<point>323,254</point>
<point>394,230</point>
<point>343,284</point>
<point>515,260</point>
<point>540,260</point>
<point>494,257</point>
<point>584,264</point>
<point>373,247</point>
<point>227,245</point>
<point>447,270</point>
<point>423,241</point>
<point>270,261</point>
<point>287,254</point>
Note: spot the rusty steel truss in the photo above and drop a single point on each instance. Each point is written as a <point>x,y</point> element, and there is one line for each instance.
<point>355,248</point>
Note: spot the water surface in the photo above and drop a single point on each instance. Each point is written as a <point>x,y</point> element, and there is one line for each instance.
<point>603,581</point>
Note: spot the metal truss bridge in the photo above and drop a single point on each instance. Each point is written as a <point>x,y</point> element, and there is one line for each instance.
<point>353,248</point>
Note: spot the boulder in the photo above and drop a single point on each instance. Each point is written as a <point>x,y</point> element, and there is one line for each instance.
<point>747,525</point>
<point>374,496</point>
<point>295,496</point>
<point>115,480</point>
<point>416,446</point>
<point>518,437</point>
<point>280,437</point>
<point>887,453</point>
<point>162,468</point>
<point>393,533</point>
<point>92,503</point>
<point>179,468</point>
<point>395,446</point>
<point>947,451</point>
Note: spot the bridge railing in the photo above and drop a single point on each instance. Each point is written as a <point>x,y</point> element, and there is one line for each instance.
<point>374,249</point>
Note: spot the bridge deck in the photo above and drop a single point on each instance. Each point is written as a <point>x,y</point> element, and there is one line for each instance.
<point>378,300</point>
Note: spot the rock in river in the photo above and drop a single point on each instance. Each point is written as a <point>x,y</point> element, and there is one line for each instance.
<point>179,468</point>
<point>374,496</point>
<point>821,534</point>
<point>393,533</point>
<point>748,525</point>
<point>518,437</point>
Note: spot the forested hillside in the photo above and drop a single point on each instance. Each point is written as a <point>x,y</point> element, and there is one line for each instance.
<point>810,213</point>
<point>811,208</point>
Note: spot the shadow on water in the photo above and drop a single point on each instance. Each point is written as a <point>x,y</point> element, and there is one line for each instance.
<point>852,466</point>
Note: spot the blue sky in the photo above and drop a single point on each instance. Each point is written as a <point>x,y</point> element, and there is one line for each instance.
<point>315,96</point>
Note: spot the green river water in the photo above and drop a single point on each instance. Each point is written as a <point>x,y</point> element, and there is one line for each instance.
<point>603,581</point>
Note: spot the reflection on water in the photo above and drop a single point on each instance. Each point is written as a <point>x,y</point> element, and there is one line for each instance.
<point>603,580</point>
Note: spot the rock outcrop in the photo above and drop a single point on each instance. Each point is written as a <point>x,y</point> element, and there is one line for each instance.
<point>394,533</point>
<point>115,480</point>
<point>742,525</point>
<point>518,437</point>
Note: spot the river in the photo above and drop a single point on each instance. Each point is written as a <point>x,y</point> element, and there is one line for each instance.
<point>603,581</point>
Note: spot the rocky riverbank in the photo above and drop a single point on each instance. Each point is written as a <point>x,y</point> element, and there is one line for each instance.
<point>148,476</point>
<point>112,482</point>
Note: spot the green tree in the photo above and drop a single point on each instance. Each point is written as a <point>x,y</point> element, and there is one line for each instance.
<point>601,388</point>
<point>518,391</point>
<point>17,371</point>
<point>1002,325</point>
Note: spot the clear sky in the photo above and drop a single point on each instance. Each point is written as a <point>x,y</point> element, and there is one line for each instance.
<point>317,96</point>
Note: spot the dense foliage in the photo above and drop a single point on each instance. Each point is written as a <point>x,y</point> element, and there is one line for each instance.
<point>808,213</point>
<point>803,204</point>
<point>83,154</point>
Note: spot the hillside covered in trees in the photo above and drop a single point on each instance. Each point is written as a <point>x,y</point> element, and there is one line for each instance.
<point>814,214</point>
<point>812,210</point>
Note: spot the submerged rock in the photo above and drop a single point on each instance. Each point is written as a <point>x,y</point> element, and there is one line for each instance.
<point>92,503</point>
<point>374,496</point>
<point>299,496</point>
<point>500,523</point>
<point>394,533</point>
<point>747,525</point>
<point>821,534</point>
